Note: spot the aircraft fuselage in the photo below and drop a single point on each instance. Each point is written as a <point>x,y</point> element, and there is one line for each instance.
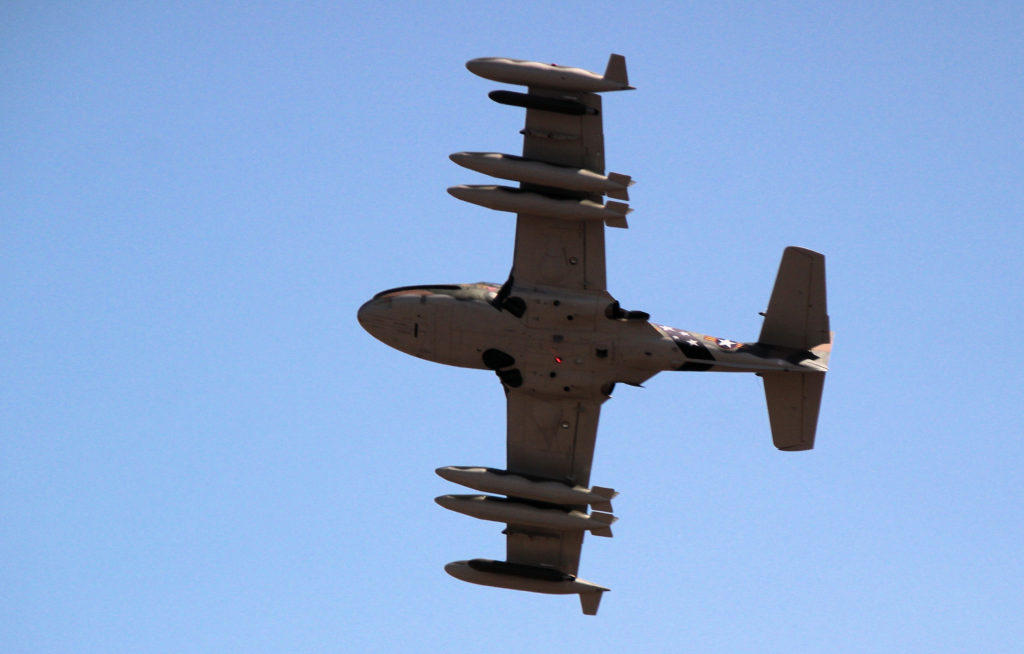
<point>554,342</point>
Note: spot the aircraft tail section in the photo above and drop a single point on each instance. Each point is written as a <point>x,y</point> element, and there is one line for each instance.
<point>797,319</point>
<point>797,315</point>
<point>793,402</point>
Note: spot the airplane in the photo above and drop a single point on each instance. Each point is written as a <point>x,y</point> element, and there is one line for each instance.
<point>559,342</point>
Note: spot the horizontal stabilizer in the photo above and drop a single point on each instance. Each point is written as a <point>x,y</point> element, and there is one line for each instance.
<point>793,402</point>
<point>797,314</point>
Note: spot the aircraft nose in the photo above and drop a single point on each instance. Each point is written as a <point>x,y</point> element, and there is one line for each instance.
<point>371,315</point>
<point>409,319</point>
<point>397,319</point>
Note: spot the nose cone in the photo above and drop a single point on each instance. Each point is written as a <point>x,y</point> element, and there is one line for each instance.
<point>372,316</point>
<point>447,472</point>
<point>460,570</point>
<point>416,320</point>
<point>447,501</point>
<point>488,67</point>
<point>402,318</point>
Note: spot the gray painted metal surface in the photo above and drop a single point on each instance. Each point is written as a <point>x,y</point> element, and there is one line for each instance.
<point>559,342</point>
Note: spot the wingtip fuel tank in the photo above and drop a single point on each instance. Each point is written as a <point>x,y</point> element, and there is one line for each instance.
<point>520,576</point>
<point>552,76</point>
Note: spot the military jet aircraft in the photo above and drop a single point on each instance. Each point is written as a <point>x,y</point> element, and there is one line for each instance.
<point>559,342</point>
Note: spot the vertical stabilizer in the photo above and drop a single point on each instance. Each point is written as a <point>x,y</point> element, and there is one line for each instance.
<point>590,601</point>
<point>616,69</point>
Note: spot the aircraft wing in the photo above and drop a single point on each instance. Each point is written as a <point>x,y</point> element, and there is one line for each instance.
<point>553,439</point>
<point>558,273</point>
<point>548,436</point>
<point>557,252</point>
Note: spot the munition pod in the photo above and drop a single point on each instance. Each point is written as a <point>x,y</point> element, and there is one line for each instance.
<point>506,198</point>
<point>489,480</point>
<point>507,166</point>
<point>499,509</point>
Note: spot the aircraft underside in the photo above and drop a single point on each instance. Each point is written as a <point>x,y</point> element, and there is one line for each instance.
<point>559,342</point>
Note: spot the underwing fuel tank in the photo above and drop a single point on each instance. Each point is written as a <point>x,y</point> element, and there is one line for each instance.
<point>552,76</point>
<point>507,166</point>
<point>506,198</point>
<point>519,576</point>
<point>499,509</point>
<point>489,480</point>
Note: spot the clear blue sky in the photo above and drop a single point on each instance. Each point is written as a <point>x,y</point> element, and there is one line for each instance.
<point>202,451</point>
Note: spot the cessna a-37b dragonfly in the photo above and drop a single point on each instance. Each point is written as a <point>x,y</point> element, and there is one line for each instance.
<point>559,342</point>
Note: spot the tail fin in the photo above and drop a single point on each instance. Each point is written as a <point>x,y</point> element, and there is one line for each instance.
<point>606,496</point>
<point>590,601</point>
<point>620,208</point>
<point>604,518</point>
<point>797,314</point>
<point>620,193</point>
<point>616,69</point>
